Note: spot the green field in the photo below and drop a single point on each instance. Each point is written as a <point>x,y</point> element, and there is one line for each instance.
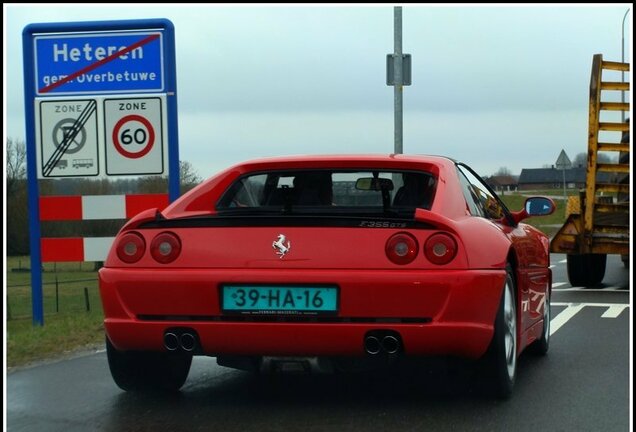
<point>68,325</point>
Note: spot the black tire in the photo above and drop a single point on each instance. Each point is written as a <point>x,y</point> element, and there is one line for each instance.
<point>501,357</point>
<point>148,371</point>
<point>625,259</point>
<point>541,345</point>
<point>586,270</point>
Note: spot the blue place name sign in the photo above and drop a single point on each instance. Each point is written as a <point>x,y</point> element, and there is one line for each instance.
<point>94,63</point>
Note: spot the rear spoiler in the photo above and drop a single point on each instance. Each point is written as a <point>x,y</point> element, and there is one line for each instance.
<point>153,218</point>
<point>152,214</point>
<point>435,219</point>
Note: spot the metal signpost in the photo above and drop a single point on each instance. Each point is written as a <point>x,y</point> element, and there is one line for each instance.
<point>563,162</point>
<point>398,75</point>
<point>100,100</point>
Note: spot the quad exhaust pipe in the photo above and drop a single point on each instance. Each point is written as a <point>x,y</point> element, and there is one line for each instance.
<point>188,342</point>
<point>372,345</point>
<point>171,341</point>
<point>390,344</point>
<point>180,339</point>
<point>382,342</point>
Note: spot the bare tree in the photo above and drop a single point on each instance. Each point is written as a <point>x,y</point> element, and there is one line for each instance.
<point>503,171</point>
<point>188,179</point>
<point>152,184</point>
<point>17,216</point>
<point>188,173</point>
<point>580,160</point>
<point>16,164</point>
<point>188,176</point>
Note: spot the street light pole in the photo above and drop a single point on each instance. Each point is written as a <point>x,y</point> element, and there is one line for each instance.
<point>397,65</point>
<point>623,61</point>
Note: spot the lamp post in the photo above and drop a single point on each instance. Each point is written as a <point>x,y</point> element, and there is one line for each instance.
<point>623,61</point>
<point>398,74</point>
<point>397,92</point>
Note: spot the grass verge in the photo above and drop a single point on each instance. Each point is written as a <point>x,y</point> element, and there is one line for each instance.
<point>73,317</point>
<point>61,334</point>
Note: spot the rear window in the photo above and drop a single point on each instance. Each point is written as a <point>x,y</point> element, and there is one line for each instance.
<point>332,191</point>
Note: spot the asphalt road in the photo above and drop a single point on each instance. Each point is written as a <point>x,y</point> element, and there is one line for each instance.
<point>581,385</point>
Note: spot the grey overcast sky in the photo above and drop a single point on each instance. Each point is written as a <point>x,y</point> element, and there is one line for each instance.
<point>493,86</point>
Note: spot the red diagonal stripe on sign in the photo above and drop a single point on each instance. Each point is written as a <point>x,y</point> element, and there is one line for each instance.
<point>95,65</point>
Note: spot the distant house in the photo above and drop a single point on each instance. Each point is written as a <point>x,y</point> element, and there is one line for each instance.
<point>503,183</point>
<point>551,178</point>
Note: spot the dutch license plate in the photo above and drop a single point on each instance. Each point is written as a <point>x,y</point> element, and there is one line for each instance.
<point>279,299</point>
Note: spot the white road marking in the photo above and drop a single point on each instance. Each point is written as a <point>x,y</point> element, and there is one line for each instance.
<point>581,289</point>
<point>558,284</point>
<point>563,261</point>
<point>613,311</point>
<point>558,321</point>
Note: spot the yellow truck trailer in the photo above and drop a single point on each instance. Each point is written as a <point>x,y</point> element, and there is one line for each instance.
<point>598,220</point>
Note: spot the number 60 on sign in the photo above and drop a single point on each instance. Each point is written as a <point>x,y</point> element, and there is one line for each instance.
<point>134,142</point>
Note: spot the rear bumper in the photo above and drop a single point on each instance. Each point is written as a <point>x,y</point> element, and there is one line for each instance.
<point>434,312</point>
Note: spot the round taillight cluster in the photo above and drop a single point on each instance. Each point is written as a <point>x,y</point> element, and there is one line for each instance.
<point>440,248</point>
<point>164,248</point>
<point>401,248</point>
<point>131,247</point>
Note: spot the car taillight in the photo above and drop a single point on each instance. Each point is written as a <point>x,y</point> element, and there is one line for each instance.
<point>440,248</point>
<point>401,248</point>
<point>131,247</point>
<point>165,247</point>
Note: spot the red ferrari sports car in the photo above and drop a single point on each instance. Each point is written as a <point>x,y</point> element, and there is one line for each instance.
<point>324,259</point>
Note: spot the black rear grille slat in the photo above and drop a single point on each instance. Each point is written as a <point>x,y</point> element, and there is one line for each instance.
<point>283,319</point>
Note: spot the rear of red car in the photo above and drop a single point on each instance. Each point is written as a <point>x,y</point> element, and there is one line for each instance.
<point>367,269</point>
<point>312,280</point>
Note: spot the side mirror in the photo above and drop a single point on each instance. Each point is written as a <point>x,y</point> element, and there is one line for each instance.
<point>535,206</point>
<point>539,206</point>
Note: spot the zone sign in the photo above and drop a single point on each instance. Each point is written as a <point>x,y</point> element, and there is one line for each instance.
<point>134,136</point>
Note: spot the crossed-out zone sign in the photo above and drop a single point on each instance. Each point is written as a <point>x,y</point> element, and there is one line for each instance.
<point>68,138</point>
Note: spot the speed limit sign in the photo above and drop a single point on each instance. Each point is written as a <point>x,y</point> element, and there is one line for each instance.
<point>134,136</point>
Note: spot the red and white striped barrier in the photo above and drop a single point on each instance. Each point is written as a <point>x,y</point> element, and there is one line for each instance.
<point>98,207</point>
<point>90,207</point>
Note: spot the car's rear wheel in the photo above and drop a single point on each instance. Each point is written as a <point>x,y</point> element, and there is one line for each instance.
<point>541,346</point>
<point>148,371</point>
<point>501,357</point>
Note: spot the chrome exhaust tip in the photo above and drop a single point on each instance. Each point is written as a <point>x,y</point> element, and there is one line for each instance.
<point>372,345</point>
<point>171,341</point>
<point>390,344</point>
<point>188,342</point>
